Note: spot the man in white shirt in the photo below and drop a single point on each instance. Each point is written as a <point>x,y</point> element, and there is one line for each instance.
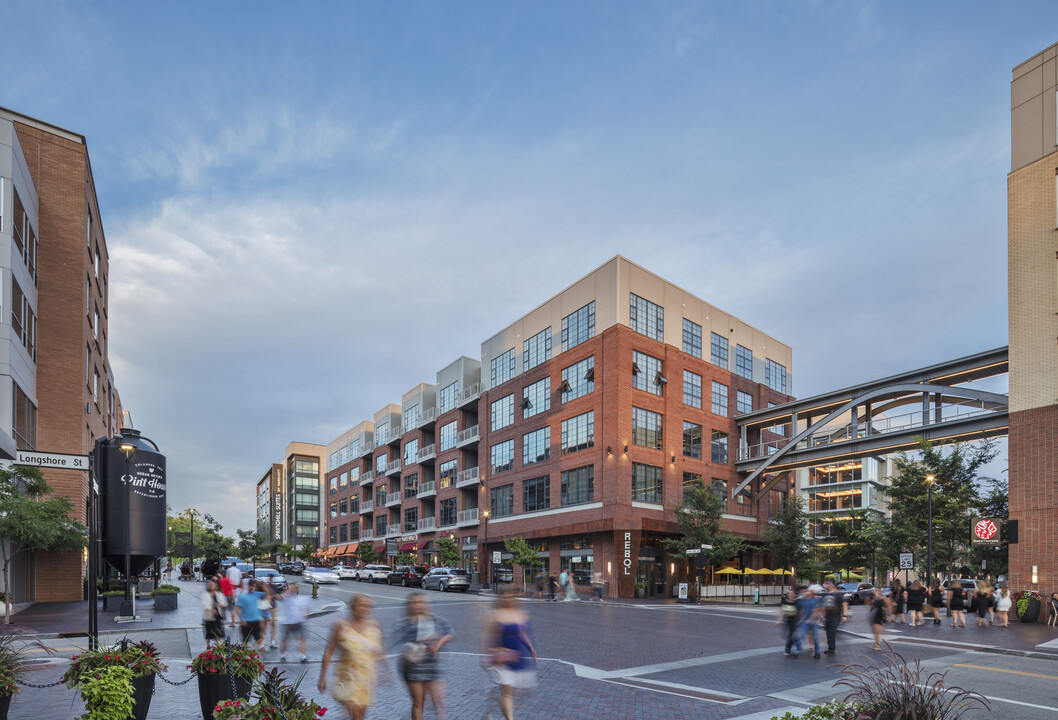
<point>235,578</point>
<point>293,610</point>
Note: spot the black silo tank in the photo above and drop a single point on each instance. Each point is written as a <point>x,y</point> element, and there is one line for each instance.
<point>143,474</point>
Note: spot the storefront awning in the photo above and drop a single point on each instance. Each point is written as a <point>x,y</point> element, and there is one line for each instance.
<point>328,552</point>
<point>350,548</point>
<point>408,547</point>
<point>381,549</point>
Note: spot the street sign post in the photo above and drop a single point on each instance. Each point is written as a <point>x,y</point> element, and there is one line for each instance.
<point>61,461</point>
<point>907,562</point>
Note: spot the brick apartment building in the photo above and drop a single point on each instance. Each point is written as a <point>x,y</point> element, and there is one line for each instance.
<point>57,390</point>
<point>577,431</point>
<point>289,497</point>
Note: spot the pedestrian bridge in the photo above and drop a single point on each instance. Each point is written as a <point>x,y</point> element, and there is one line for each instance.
<point>875,418</point>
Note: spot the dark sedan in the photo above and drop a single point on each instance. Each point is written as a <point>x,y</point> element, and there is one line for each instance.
<point>407,575</point>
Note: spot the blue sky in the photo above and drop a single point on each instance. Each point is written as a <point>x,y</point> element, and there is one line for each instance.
<point>311,208</point>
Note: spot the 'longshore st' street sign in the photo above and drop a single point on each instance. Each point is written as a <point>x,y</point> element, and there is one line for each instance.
<point>48,460</point>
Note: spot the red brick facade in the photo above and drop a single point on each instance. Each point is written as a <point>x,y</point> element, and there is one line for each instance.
<point>1033,495</point>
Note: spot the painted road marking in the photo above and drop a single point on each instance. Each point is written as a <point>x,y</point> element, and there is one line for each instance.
<point>1002,670</point>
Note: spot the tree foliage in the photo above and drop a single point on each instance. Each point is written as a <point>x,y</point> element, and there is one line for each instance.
<point>700,516</point>
<point>252,544</point>
<point>522,553</point>
<point>366,554</point>
<point>448,552</point>
<point>32,519</point>
<point>284,550</point>
<point>787,534</point>
<point>307,551</point>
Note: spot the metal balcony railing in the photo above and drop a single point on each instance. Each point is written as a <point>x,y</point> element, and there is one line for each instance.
<point>468,477</point>
<point>393,466</point>
<point>393,529</point>
<point>471,434</point>
<point>467,517</point>
<point>367,478</point>
<point>393,498</point>
<point>428,452</point>
<point>426,524</point>
<point>470,394</point>
<point>426,489</point>
<point>367,535</point>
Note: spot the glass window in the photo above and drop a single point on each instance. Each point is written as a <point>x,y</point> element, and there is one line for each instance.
<point>578,433</point>
<point>647,373</point>
<point>381,433</point>
<point>646,318</point>
<point>646,428</point>
<point>446,474</point>
<point>502,412</point>
<point>692,440</point>
<point>536,494</point>
<point>333,510</point>
<point>411,417</point>
<point>502,456</point>
<point>380,464</point>
<point>411,452</point>
<point>411,519</point>
<point>743,504</point>
<point>720,488</point>
<point>343,507</point>
<point>692,389</point>
<point>536,398</point>
<point>307,515</point>
<point>691,480</point>
<point>354,531</point>
<point>502,500</point>
<point>646,483</point>
<point>447,401</point>
<point>332,461</point>
<point>354,504</point>
<point>775,376</point>
<point>578,485</point>
<point>719,447</point>
<point>334,486</point>
<point>719,399</point>
<point>578,379</point>
<point>448,512</point>
<point>578,326</point>
<point>354,475</point>
<point>380,525</point>
<point>343,533</point>
<point>502,368</point>
<point>380,495</point>
<point>536,349</point>
<point>334,535</point>
<point>692,338</point>
<point>744,402</point>
<point>343,481</point>
<point>536,446</point>
<point>448,436</point>
<point>718,350</point>
<point>411,483</point>
<point>744,362</point>
<point>354,448</point>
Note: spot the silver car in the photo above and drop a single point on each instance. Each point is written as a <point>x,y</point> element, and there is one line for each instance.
<point>445,579</point>
<point>319,575</point>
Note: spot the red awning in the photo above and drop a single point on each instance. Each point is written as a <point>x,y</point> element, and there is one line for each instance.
<point>408,547</point>
<point>381,549</point>
<point>350,548</point>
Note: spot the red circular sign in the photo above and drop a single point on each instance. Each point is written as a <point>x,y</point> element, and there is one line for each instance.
<point>986,529</point>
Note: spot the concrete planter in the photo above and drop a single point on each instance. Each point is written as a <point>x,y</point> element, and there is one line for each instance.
<point>165,601</point>
<point>112,603</point>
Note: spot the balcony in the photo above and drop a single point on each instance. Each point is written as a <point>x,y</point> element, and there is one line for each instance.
<point>366,506</point>
<point>366,448</point>
<point>468,436</point>
<point>470,394</point>
<point>366,535</point>
<point>394,438</point>
<point>393,498</point>
<point>451,523</point>
<point>426,417</point>
<point>393,466</point>
<point>468,477</point>
<point>366,478</point>
<point>426,489</point>
<point>427,524</point>
<point>467,517</point>
<point>427,453</point>
<point>393,529</point>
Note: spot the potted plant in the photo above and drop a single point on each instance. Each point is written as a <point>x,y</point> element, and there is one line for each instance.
<point>112,600</point>
<point>1027,603</point>
<point>13,663</point>
<point>165,597</point>
<point>117,681</point>
<point>641,590</point>
<point>274,699</point>
<point>225,672</point>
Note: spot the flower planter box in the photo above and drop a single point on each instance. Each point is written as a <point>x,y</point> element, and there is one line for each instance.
<point>112,603</point>
<point>5,705</point>
<point>216,688</point>
<point>142,691</point>
<point>165,601</point>
<point>1032,612</point>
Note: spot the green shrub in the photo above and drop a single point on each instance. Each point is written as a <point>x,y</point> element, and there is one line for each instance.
<point>107,694</point>
<point>165,590</point>
<point>834,710</point>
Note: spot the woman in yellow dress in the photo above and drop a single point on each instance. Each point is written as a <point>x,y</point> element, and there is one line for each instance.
<point>361,650</point>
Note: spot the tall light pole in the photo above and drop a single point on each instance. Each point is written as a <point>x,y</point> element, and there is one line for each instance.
<point>485,579</point>
<point>929,533</point>
<point>128,608</point>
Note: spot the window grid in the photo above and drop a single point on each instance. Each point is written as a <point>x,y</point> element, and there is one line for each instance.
<point>536,398</point>
<point>719,399</point>
<point>502,456</point>
<point>578,326</point>
<point>502,500</point>
<point>646,318</point>
<point>536,446</point>
<point>536,349</point>
<point>536,494</point>
<point>646,483</point>
<point>690,480</point>
<point>447,401</point>
<point>692,389</point>
<point>650,371</point>
<point>448,512</point>
<point>578,433</point>
<point>502,368</point>
<point>447,439</point>
<point>411,417</point>
<point>692,440</point>
<point>719,447</point>
<point>411,452</point>
<point>578,485</point>
<point>775,376</point>
<point>646,428</point>
<point>718,350</point>
<point>502,412</point>
<point>446,474</point>
<point>380,464</point>
<point>692,338</point>
<point>744,401</point>
<point>744,362</point>
<point>411,483</point>
<point>579,378</point>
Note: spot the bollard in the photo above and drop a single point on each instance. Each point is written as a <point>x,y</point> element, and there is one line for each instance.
<point>315,589</point>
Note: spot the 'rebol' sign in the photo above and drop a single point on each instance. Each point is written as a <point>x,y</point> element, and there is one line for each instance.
<point>985,531</point>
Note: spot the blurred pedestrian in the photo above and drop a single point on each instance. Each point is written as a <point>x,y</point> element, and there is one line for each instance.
<point>897,599</point>
<point>597,585</point>
<point>982,594</point>
<point>228,591</point>
<point>878,613</point>
<point>835,612</point>
<point>956,602</point>
<point>936,600</point>
<point>539,586</point>
<point>509,647</point>
<point>268,615</point>
<point>361,650</point>
<point>293,610</point>
<point>788,620</point>
<point>1003,604</point>
<point>552,587</point>
<point>169,569</point>
<point>916,599</point>
<point>248,611</point>
<point>421,636</point>
<point>810,617</point>
<point>213,606</point>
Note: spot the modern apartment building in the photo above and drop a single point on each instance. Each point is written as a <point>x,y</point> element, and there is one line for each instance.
<point>288,497</point>
<point>1032,252</point>
<point>57,389</point>
<point>577,431</point>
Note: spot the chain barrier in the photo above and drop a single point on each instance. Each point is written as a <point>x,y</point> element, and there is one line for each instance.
<point>23,683</point>
<point>176,684</point>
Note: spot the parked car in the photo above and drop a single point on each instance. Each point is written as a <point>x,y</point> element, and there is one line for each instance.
<point>319,575</point>
<point>968,585</point>
<point>295,568</point>
<point>210,568</point>
<point>345,571</point>
<point>445,579</point>
<point>373,573</point>
<point>856,592</point>
<point>405,575</point>
<point>270,576</point>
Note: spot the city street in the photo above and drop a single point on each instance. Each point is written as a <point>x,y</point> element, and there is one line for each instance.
<point>625,661</point>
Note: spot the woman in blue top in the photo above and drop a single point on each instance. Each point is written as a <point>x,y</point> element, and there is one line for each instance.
<point>510,650</point>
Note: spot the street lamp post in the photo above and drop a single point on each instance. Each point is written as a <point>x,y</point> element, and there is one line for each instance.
<point>929,533</point>
<point>485,579</point>
<point>128,608</point>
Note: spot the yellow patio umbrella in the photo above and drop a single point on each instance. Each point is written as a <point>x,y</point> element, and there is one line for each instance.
<point>728,571</point>
<point>779,571</point>
<point>762,571</point>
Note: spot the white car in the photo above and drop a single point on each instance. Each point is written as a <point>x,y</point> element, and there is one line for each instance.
<point>319,575</point>
<point>373,573</point>
<point>344,571</point>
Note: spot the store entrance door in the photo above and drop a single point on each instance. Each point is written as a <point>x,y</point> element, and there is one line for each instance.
<point>652,574</point>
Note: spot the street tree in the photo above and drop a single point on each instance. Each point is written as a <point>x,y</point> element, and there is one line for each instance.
<point>405,558</point>
<point>251,545</point>
<point>700,516</point>
<point>210,543</point>
<point>366,554</point>
<point>787,535</point>
<point>448,552</point>
<point>848,546</point>
<point>524,554</point>
<point>307,551</point>
<point>31,518</point>
<point>284,550</point>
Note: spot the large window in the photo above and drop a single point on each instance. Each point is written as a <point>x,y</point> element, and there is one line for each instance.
<point>719,399</point>
<point>502,456</point>
<point>448,512</point>
<point>578,326</point>
<point>343,507</point>
<point>578,486</point>
<point>354,531</point>
<point>744,401</point>
<point>380,496</point>
<point>646,318</point>
<point>646,428</point>
<point>720,488</point>
<point>502,412</point>
<point>502,368</point>
<point>411,519</point>
<point>446,474</point>
<point>23,321</point>
<point>578,379</point>
<point>646,483</point>
<point>536,446</point>
<point>25,238</point>
<point>744,362</point>
<point>380,464</point>
<point>536,398</point>
<point>333,508</point>
<point>334,485</point>
<point>692,440</point>
<point>647,373</point>
<point>411,452</point>
<point>692,389</point>
<point>718,350</point>
<point>775,376</point>
<point>447,400</point>
<point>536,494</point>
<point>411,483</point>
<point>691,481</point>
<point>354,475</point>
<point>578,433</point>
<point>502,500</point>
<point>411,417</point>
<point>380,525</point>
<point>536,349</point>
<point>343,535</point>
<point>382,433</point>
<point>25,414</point>
<point>448,436</point>
<point>719,447</point>
<point>743,503</point>
<point>354,504</point>
<point>692,338</point>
